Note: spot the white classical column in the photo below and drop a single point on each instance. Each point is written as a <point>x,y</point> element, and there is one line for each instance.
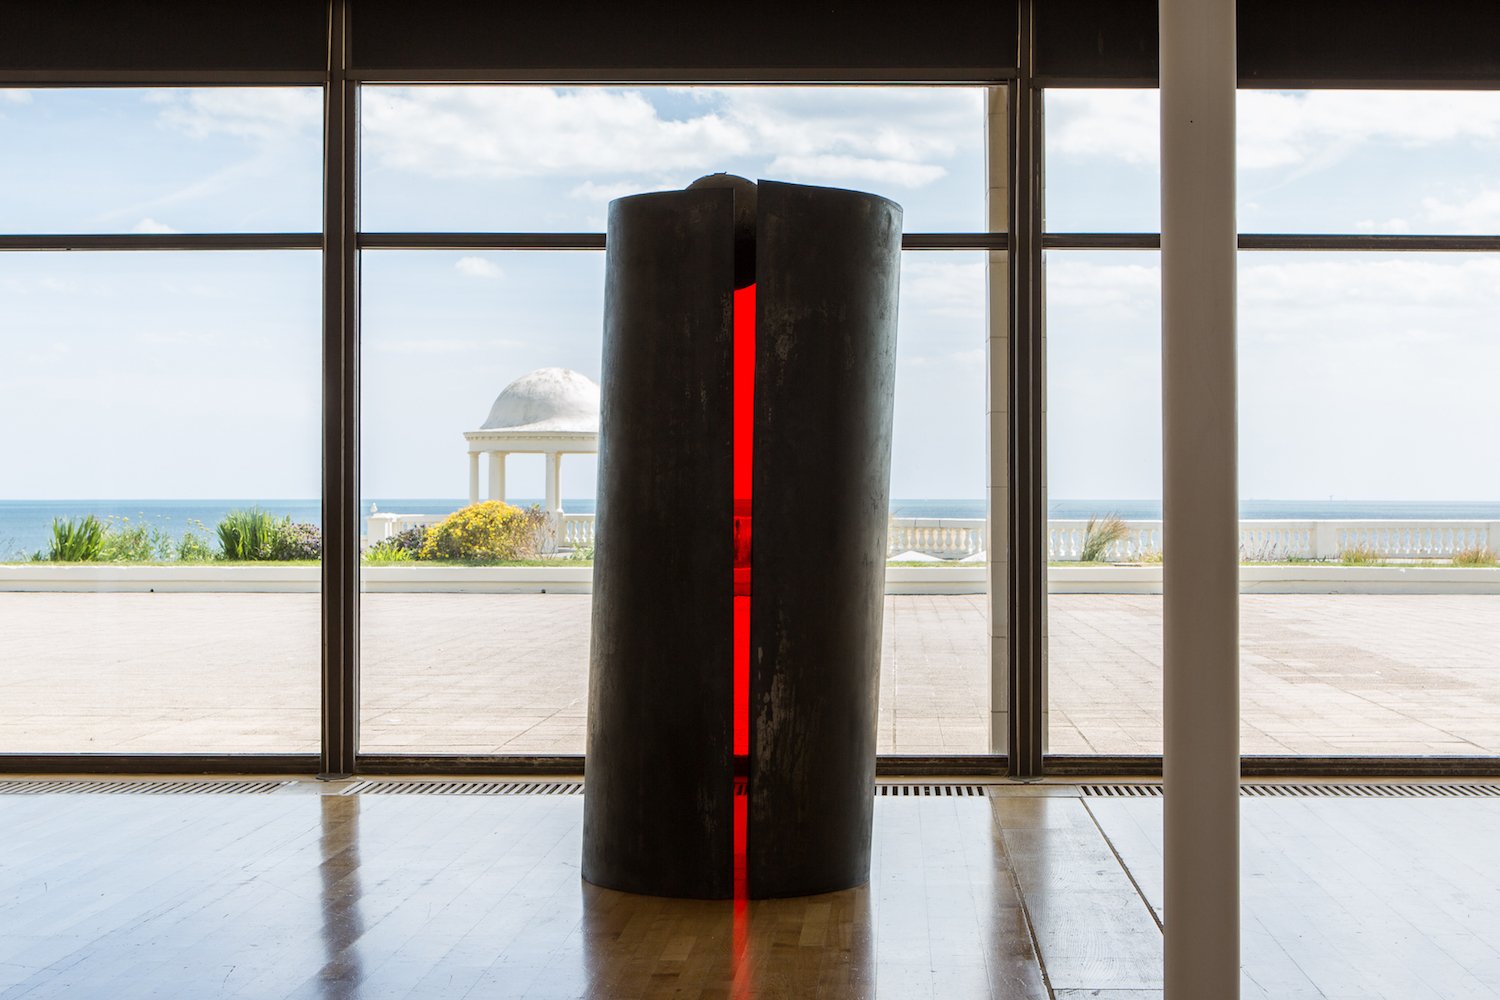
<point>1200,512</point>
<point>997,423</point>
<point>554,483</point>
<point>473,477</point>
<point>554,498</point>
<point>497,476</point>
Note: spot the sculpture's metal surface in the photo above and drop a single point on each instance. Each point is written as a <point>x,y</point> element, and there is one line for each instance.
<point>828,267</point>
<point>659,772</point>
<point>660,814</point>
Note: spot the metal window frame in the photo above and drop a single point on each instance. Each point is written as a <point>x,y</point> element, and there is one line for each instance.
<point>1020,658</point>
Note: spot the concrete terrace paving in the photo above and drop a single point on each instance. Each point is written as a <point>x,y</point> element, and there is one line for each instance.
<point>470,673</point>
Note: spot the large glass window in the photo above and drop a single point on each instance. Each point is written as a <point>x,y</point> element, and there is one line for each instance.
<point>1103,161</point>
<point>934,683</point>
<point>1369,618</point>
<point>1363,161</point>
<point>1104,501</point>
<point>159,509</point>
<point>460,657</point>
<point>469,651</point>
<point>240,159</point>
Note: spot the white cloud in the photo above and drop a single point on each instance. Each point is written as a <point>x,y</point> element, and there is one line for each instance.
<point>509,132</point>
<point>1280,128</point>
<point>56,351</point>
<point>12,96</point>
<point>828,166</point>
<point>1364,377</point>
<point>1480,214</point>
<point>1122,124</point>
<point>513,132</point>
<point>249,112</point>
<point>1353,298</point>
<point>149,225</point>
<point>954,290</point>
<point>158,339</point>
<point>1108,293</point>
<point>1275,128</point>
<point>426,346</point>
<point>589,191</point>
<point>477,267</point>
<point>1388,226</point>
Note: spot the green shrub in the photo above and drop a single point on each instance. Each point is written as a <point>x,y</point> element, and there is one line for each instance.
<point>76,541</point>
<point>1363,554</point>
<point>486,532</point>
<point>1100,534</point>
<point>386,552</point>
<point>245,534</point>
<point>192,547</point>
<point>138,542</point>
<point>403,546</point>
<point>293,541</point>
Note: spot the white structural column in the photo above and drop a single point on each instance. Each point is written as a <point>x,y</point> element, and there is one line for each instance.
<point>1199,501</point>
<point>497,476</point>
<point>997,423</point>
<point>473,477</point>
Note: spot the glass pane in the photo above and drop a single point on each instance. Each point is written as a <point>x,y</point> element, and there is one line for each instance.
<point>149,396</point>
<point>549,159</point>
<point>1365,161</point>
<point>503,666</point>
<point>230,159</point>
<point>934,683</point>
<point>1317,161</point>
<point>1104,458</point>
<point>1364,400</point>
<point>471,653</point>
<point>1103,156</point>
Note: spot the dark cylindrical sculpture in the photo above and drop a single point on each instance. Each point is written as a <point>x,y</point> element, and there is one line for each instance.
<point>670,809</point>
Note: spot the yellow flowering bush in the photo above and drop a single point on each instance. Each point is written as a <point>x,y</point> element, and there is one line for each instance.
<point>489,532</point>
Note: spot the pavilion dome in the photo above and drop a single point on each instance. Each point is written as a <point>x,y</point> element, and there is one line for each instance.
<point>548,399</point>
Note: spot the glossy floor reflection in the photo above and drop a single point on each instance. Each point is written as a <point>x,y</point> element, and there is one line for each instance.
<point>1032,891</point>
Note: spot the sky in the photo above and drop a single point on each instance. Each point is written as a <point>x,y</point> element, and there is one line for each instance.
<point>196,375</point>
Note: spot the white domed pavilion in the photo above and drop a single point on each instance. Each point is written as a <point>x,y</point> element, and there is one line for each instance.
<point>551,410</point>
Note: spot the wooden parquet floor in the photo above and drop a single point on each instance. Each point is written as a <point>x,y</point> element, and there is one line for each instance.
<point>1031,892</point>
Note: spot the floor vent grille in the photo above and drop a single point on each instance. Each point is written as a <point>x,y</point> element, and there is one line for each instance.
<point>1316,791</point>
<point>1363,791</point>
<point>903,790</point>
<point>465,788</point>
<point>75,787</point>
<point>1122,791</point>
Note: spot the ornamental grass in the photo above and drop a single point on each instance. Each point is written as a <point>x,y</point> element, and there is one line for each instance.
<point>76,541</point>
<point>1100,534</point>
<point>1474,555</point>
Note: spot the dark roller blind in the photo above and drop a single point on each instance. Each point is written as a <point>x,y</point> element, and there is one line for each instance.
<point>971,39</point>
<point>1422,41</point>
<point>1114,40</point>
<point>139,35</point>
<point>1285,42</point>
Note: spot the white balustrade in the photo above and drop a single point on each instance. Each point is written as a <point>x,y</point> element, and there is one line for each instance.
<point>1278,541</point>
<point>1260,541</point>
<point>1066,539</point>
<point>946,537</point>
<point>577,531</point>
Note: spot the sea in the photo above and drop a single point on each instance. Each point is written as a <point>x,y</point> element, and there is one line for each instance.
<point>25,525</point>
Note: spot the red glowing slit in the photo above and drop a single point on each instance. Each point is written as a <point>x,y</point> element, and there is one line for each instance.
<point>744,437</point>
